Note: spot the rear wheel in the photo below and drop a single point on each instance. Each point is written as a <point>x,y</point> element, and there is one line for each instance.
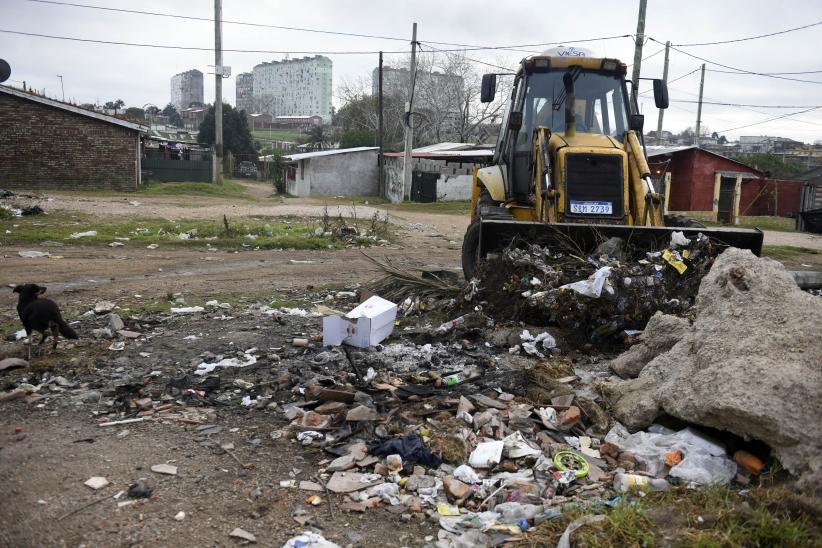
<point>681,221</point>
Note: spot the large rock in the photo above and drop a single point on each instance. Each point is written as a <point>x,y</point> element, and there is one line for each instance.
<point>751,364</point>
<point>661,333</point>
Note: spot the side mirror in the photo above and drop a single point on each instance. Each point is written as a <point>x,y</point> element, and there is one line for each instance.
<point>489,88</point>
<point>636,122</point>
<point>661,94</point>
<point>515,121</point>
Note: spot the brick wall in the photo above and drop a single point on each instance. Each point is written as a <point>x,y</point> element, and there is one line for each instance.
<point>42,147</point>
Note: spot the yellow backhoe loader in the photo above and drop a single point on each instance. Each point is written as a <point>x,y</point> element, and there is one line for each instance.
<point>570,160</point>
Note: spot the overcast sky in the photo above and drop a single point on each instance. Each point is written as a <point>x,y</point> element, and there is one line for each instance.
<point>139,75</point>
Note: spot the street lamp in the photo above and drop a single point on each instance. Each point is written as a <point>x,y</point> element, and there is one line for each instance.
<point>63,91</point>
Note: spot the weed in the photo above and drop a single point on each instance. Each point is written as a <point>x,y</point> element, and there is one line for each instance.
<point>229,189</point>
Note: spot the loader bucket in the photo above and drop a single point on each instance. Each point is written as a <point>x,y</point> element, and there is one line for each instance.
<point>497,234</point>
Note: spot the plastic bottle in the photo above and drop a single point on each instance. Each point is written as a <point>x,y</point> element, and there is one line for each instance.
<point>453,380</point>
<point>749,462</point>
<point>624,483</point>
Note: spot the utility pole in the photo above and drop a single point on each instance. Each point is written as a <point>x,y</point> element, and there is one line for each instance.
<point>699,108</point>
<point>409,120</point>
<point>63,91</point>
<point>218,88</point>
<point>381,184</point>
<point>662,110</point>
<point>640,38</point>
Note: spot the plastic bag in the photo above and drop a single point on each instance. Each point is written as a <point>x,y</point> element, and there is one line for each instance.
<point>699,467</point>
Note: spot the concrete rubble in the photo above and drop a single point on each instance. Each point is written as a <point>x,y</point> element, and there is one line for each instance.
<point>749,364</point>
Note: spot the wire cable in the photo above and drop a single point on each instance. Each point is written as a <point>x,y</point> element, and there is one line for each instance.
<point>194,48</point>
<point>752,106</point>
<point>770,120</point>
<point>319,31</point>
<point>704,60</point>
<point>750,37</point>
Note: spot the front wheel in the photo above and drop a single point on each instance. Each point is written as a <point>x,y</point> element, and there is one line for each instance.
<point>470,250</point>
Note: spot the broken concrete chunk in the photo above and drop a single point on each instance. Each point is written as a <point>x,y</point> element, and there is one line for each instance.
<point>103,307</point>
<point>749,365</point>
<point>661,334</point>
<point>12,363</point>
<point>311,486</point>
<point>331,407</point>
<point>115,323</point>
<point>362,413</point>
<point>341,464</point>
<point>168,469</point>
<point>488,402</point>
<point>348,482</point>
<point>243,534</point>
<point>96,482</point>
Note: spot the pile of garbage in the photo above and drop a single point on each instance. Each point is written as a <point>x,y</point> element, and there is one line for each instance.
<point>487,465</point>
<point>615,288</point>
<point>749,364</point>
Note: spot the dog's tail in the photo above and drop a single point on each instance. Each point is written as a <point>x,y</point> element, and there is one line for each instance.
<point>67,331</point>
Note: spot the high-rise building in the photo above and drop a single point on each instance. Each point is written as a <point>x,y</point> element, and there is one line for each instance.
<point>186,88</point>
<point>294,87</point>
<point>245,92</point>
<point>432,89</point>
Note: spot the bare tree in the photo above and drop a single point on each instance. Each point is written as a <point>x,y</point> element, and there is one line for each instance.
<point>447,93</point>
<point>360,111</point>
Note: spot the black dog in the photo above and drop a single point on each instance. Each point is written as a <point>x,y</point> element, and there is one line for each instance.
<point>41,315</point>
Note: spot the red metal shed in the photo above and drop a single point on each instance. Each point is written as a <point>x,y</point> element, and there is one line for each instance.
<point>711,186</point>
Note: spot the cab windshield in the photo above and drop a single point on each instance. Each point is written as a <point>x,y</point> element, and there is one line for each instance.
<point>599,106</point>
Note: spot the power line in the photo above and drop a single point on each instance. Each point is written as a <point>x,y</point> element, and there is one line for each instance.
<point>770,119</point>
<point>751,37</point>
<point>704,60</point>
<point>211,20</point>
<point>767,73</point>
<point>191,48</point>
<point>320,31</point>
<point>429,46</point>
<point>753,106</point>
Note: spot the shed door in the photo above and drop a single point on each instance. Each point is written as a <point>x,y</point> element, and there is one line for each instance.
<point>726,200</point>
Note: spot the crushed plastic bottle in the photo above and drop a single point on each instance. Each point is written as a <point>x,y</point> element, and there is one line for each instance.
<point>625,483</point>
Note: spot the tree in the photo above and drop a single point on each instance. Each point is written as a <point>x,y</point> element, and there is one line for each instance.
<point>152,110</point>
<point>114,105</point>
<point>360,111</point>
<point>777,166</point>
<point>174,117</point>
<point>135,113</point>
<point>358,138</point>
<point>236,133</point>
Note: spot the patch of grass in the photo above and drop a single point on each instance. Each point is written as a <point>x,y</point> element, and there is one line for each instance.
<point>780,252</point>
<point>446,208</point>
<point>229,189</point>
<point>349,200</point>
<point>781,224</point>
<point>250,233</point>
<point>716,516</point>
<point>277,135</point>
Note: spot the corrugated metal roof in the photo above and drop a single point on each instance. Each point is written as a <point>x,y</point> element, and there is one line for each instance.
<point>71,108</point>
<point>662,151</point>
<point>444,154</point>
<point>442,147</point>
<point>317,154</point>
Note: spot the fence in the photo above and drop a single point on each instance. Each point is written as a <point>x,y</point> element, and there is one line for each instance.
<point>178,165</point>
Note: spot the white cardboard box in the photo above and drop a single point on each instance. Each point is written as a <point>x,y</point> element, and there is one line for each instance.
<point>374,322</point>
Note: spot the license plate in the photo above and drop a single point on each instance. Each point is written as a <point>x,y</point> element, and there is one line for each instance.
<point>592,208</point>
